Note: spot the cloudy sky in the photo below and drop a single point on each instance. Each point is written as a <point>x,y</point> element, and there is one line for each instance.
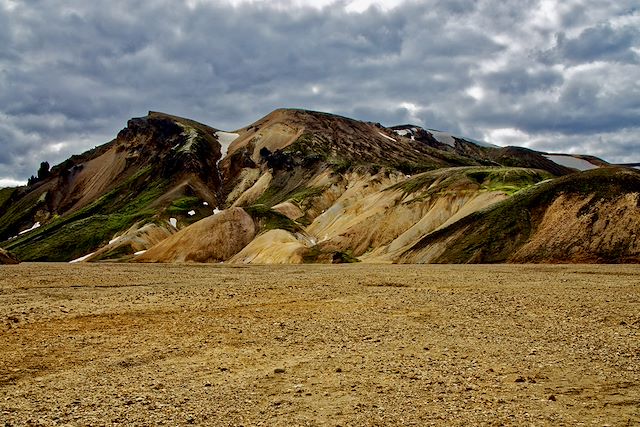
<point>558,76</point>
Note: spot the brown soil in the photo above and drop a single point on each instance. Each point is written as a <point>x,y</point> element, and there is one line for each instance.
<point>103,344</point>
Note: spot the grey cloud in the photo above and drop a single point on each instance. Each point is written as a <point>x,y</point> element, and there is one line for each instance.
<point>73,72</point>
<point>518,81</point>
<point>599,43</point>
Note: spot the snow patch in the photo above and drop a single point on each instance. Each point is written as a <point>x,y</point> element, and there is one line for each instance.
<point>386,136</point>
<point>481,143</point>
<point>443,137</point>
<point>216,211</point>
<point>173,222</point>
<point>139,253</point>
<point>36,225</point>
<point>571,162</point>
<point>402,132</point>
<point>82,258</point>
<point>225,139</point>
<point>191,213</point>
<point>114,240</point>
<point>205,204</point>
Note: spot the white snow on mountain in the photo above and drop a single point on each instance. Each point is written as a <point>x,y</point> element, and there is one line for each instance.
<point>570,162</point>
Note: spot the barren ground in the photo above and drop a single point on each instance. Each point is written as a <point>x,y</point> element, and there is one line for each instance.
<point>319,345</point>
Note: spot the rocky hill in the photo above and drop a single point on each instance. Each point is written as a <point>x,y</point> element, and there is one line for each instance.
<point>301,186</point>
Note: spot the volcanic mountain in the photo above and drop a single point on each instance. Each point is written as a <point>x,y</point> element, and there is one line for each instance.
<point>301,186</point>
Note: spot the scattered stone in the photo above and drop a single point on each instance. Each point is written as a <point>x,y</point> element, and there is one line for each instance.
<point>279,371</point>
<point>339,370</point>
<point>552,398</point>
<point>520,380</point>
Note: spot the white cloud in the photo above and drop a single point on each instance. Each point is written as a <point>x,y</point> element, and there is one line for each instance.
<point>8,182</point>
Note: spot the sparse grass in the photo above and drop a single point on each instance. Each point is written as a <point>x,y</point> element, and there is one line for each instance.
<point>72,236</point>
<point>305,193</point>
<point>19,213</point>
<point>117,253</point>
<point>341,165</point>
<point>508,180</point>
<point>268,219</point>
<point>183,205</point>
<point>69,240</point>
<point>344,257</point>
<point>501,228</point>
<point>5,195</point>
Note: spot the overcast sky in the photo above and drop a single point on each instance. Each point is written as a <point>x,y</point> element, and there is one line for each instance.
<point>558,76</point>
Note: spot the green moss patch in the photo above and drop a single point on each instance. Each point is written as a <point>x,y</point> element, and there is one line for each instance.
<point>508,180</point>
<point>183,205</point>
<point>268,219</point>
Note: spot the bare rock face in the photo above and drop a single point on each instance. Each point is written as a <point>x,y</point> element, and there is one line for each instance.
<point>213,239</point>
<point>8,257</point>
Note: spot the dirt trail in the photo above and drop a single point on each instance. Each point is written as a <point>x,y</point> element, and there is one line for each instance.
<point>319,345</point>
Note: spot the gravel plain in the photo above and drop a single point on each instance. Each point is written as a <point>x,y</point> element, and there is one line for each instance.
<point>335,345</point>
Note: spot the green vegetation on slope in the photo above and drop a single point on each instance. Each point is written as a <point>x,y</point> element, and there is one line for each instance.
<point>507,180</point>
<point>81,232</point>
<point>268,219</point>
<point>5,195</point>
<point>20,213</point>
<point>494,234</point>
<point>183,205</point>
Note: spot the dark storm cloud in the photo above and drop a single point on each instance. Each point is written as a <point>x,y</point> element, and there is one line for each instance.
<point>73,72</point>
<point>599,43</point>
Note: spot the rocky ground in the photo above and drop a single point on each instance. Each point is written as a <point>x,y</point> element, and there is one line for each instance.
<point>319,345</point>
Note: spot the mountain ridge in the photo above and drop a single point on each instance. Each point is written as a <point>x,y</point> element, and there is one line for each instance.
<point>318,188</point>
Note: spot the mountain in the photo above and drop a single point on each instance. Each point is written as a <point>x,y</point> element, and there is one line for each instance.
<point>593,216</point>
<point>7,257</point>
<point>303,186</point>
<point>158,164</point>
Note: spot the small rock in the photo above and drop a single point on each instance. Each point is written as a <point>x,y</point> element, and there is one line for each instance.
<point>279,371</point>
<point>339,370</point>
<point>552,398</point>
<point>520,380</point>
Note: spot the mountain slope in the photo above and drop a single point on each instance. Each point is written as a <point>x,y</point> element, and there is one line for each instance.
<point>304,186</point>
<point>158,166</point>
<point>7,257</point>
<point>592,216</point>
